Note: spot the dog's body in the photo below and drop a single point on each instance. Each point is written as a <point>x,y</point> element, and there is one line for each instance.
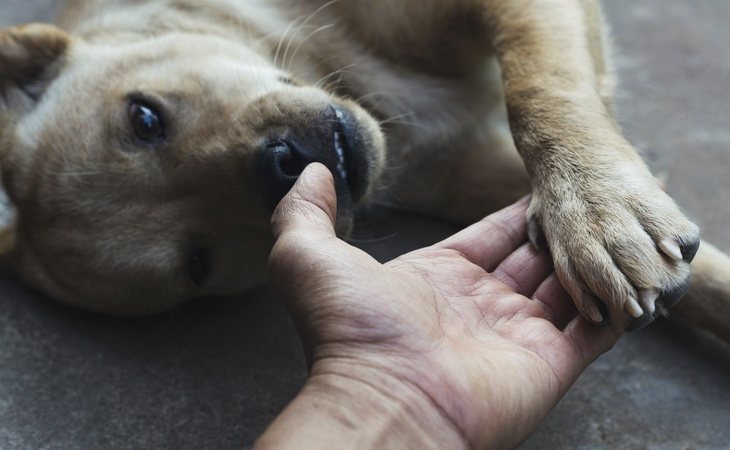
<point>460,90</point>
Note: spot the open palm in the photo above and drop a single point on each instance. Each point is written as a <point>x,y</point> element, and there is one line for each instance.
<point>477,324</point>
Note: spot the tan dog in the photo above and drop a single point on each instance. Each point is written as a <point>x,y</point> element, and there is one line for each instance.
<point>145,142</point>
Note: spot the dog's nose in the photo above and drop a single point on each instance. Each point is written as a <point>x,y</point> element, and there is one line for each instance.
<point>326,139</point>
<point>280,164</point>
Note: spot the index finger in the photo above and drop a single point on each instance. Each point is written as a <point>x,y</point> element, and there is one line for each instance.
<point>489,241</point>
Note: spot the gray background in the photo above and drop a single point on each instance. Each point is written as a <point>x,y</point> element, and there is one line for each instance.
<point>213,374</point>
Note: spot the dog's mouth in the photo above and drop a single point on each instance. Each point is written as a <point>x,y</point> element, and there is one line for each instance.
<point>350,166</point>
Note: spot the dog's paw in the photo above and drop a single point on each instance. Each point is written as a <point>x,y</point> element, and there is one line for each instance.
<point>621,246</point>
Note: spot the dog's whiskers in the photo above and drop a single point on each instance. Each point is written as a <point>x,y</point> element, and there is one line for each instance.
<point>298,24</point>
<point>396,118</point>
<point>329,76</point>
<point>316,66</point>
<point>283,38</point>
<point>296,50</point>
<point>306,21</point>
<point>399,120</point>
<point>378,94</point>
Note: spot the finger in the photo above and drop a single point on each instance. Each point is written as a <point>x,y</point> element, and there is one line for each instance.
<point>524,269</point>
<point>303,225</point>
<point>555,301</point>
<point>310,206</point>
<point>489,241</point>
<point>590,341</point>
<point>309,263</point>
<point>307,248</point>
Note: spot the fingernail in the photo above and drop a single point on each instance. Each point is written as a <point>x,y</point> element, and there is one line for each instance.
<point>671,249</point>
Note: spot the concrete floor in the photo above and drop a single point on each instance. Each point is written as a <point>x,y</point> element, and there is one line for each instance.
<point>212,375</point>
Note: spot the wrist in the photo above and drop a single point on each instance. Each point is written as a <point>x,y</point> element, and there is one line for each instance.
<point>367,409</point>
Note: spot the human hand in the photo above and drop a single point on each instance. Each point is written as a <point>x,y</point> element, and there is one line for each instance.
<point>467,343</point>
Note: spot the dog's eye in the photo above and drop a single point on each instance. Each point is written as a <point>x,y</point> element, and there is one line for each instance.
<point>146,122</point>
<point>198,266</point>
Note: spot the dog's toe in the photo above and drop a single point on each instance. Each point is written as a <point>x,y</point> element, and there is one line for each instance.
<point>650,310</point>
<point>655,304</point>
<point>670,298</point>
<point>649,299</point>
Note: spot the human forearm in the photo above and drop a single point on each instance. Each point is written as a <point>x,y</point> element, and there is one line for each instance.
<point>333,411</point>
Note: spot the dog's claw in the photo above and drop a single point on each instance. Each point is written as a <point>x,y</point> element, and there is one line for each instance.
<point>633,308</point>
<point>648,299</point>
<point>671,249</point>
<point>535,235</point>
<point>638,319</point>
<point>637,324</point>
<point>594,314</point>
<point>670,298</point>
<point>689,250</point>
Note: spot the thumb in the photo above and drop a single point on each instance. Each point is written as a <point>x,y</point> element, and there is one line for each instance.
<point>310,206</point>
<point>304,227</point>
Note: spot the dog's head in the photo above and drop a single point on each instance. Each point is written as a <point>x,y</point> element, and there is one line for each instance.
<point>145,174</point>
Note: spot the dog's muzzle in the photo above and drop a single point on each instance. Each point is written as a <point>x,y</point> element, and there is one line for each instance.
<point>334,140</point>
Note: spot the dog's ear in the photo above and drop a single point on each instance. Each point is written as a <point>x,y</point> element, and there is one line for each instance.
<point>31,56</point>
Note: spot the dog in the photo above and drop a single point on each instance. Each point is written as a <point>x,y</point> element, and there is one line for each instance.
<point>145,143</point>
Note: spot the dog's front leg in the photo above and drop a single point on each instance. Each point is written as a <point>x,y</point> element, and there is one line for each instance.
<point>621,245</point>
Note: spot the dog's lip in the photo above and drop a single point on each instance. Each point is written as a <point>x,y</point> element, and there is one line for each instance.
<point>340,144</point>
<point>351,152</point>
